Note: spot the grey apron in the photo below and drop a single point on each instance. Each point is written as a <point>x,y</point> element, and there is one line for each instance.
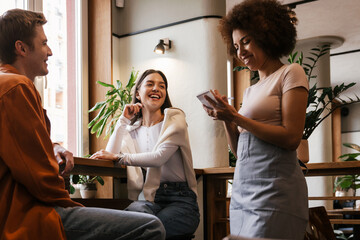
<point>269,193</point>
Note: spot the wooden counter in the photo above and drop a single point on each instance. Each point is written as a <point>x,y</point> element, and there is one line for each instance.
<point>215,180</point>
<point>97,167</point>
<point>216,204</point>
<point>333,168</point>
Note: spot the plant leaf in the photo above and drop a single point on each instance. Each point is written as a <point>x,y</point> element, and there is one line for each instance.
<point>240,68</point>
<point>105,84</point>
<point>97,106</point>
<point>118,84</point>
<point>352,145</point>
<point>100,180</point>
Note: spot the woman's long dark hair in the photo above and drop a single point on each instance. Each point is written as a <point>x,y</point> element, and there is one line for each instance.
<point>167,102</point>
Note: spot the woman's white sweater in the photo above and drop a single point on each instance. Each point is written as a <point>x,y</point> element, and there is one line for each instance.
<point>173,132</point>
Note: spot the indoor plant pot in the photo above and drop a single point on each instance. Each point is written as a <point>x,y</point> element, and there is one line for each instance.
<point>87,185</point>
<point>75,192</point>
<point>88,190</point>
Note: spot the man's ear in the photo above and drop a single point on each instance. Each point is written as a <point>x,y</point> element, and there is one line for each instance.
<point>21,48</point>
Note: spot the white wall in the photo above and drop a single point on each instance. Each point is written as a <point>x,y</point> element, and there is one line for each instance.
<point>196,62</point>
<point>350,127</point>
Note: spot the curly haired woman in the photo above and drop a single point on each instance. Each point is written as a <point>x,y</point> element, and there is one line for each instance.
<point>269,196</point>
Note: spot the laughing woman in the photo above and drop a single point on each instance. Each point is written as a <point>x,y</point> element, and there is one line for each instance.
<point>152,135</point>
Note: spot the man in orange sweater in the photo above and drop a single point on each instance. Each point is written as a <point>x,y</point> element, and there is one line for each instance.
<point>33,201</point>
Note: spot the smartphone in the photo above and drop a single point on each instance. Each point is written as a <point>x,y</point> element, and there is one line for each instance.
<point>202,99</point>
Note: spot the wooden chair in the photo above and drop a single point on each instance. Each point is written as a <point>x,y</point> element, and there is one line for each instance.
<point>319,227</point>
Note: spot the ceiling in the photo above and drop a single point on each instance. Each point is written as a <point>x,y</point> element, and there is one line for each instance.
<point>332,18</point>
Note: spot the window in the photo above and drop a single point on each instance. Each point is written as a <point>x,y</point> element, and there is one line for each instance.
<point>65,94</point>
<point>55,95</point>
<point>6,5</point>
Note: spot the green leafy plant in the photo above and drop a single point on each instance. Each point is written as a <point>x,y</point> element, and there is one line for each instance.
<point>232,159</point>
<point>351,156</point>
<point>321,101</point>
<point>349,181</point>
<point>111,108</point>
<point>84,179</point>
<point>340,235</point>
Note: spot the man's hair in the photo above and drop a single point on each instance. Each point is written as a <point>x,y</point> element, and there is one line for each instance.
<point>17,24</point>
<point>269,23</point>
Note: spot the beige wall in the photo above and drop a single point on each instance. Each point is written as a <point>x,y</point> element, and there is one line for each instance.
<point>138,15</point>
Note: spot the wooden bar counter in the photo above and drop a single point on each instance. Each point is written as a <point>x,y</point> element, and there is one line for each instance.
<point>97,167</point>
<point>216,203</point>
<point>215,182</point>
<point>333,168</point>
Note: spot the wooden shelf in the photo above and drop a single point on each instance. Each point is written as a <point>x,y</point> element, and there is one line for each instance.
<point>216,170</point>
<point>333,168</point>
<point>345,221</point>
<point>346,211</point>
<point>335,198</point>
<point>314,169</point>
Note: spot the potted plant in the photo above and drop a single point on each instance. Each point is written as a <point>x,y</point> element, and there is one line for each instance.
<point>110,111</point>
<point>87,185</point>
<point>321,101</point>
<point>348,182</point>
<point>111,108</point>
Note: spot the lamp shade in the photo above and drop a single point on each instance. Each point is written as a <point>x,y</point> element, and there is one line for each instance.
<point>160,47</point>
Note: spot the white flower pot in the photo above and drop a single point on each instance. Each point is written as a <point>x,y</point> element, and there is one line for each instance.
<point>76,194</point>
<point>88,190</point>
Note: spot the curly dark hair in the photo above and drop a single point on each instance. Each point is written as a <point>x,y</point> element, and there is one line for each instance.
<point>270,24</point>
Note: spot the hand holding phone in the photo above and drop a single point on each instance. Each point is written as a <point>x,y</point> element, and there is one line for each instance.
<point>202,99</point>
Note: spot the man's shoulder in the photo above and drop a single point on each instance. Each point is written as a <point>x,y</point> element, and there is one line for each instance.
<point>9,81</point>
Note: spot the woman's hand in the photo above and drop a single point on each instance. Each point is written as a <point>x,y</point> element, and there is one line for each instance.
<point>131,110</point>
<point>102,154</point>
<point>221,109</point>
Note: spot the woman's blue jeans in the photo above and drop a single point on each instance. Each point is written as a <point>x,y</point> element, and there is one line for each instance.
<point>175,204</point>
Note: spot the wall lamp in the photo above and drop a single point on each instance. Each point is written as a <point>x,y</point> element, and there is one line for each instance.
<point>164,44</point>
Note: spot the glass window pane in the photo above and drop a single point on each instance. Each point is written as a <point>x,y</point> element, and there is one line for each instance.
<point>55,93</point>
<point>6,5</point>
